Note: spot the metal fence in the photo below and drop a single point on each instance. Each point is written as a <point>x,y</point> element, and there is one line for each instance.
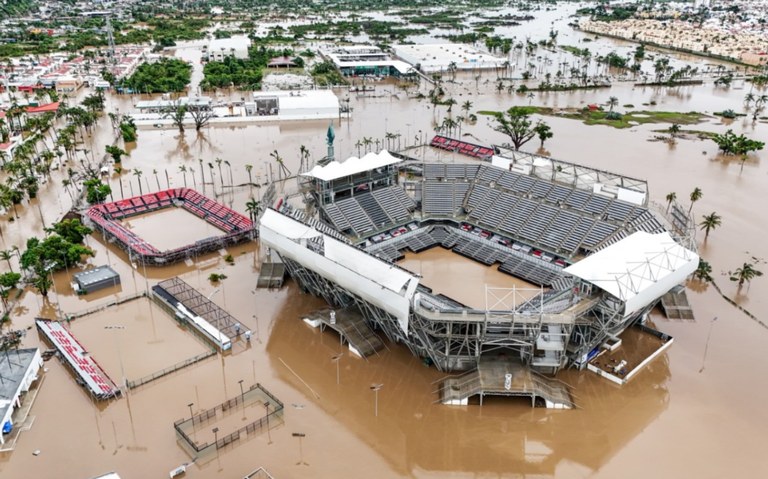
<point>172,369</point>
<point>256,393</point>
<point>109,304</point>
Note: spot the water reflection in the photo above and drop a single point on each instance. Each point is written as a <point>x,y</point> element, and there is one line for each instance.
<point>504,435</point>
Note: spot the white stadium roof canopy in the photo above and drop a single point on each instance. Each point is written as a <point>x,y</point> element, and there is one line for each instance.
<point>335,170</point>
<point>638,269</point>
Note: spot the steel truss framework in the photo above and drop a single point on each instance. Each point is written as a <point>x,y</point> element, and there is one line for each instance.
<point>547,334</point>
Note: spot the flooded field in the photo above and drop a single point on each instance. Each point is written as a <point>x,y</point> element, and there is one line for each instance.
<point>463,279</point>
<point>135,339</point>
<point>171,228</point>
<point>701,399</point>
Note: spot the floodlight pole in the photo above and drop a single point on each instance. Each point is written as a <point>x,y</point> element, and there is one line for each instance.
<point>119,354</point>
<point>335,358</point>
<point>375,388</point>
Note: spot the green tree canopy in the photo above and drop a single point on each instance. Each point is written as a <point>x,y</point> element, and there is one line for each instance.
<point>517,125</point>
<point>732,144</point>
<point>163,76</point>
<point>71,230</point>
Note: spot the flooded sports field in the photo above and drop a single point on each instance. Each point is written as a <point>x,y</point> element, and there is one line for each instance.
<point>171,228</point>
<point>698,410</point>
<point>463,279</point>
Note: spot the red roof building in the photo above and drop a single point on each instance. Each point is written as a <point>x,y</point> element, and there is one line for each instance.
<point>50,107</point>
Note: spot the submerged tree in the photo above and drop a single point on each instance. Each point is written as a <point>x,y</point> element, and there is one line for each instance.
<point>703,271</point>
<point>696,195</point>
<point>177,113</point>
<point>543,131</point>
<point>253,208</point>
<point>672,196</point>
<point>709,223</point>
<point>115,152</point>
<point>517,125</point>
<point>732,144</point>
<point>745,274</point>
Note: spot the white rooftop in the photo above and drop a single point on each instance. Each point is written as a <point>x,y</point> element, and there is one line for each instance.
<point>400,66</point>
<point>301,99</point>
<point>437,56</point>
<point>353,165</point>
<point>344,255</point>
<point>235,42</point>
<point>638,269</point>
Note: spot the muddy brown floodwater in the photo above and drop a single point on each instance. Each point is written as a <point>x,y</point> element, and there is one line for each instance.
<point>467,281</point>
<point>696,411</point>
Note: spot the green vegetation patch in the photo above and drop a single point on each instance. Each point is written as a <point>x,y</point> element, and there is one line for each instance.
<point>166,75</point>
<point>624,120</point>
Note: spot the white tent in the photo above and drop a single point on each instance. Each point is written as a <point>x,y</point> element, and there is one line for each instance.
<point>335,170</point>
<point>639,269</point>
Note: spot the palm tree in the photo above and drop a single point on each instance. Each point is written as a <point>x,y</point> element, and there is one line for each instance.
<point>696,195</point>
<point>279,160</point>
<point>367,143</point>
<point>674,130</point>
<point>703,271</point>
<point>670,198</point>
<point>253,208</point>
<point>248,169</point>
<point>745,274</point>
<point>450,102</point>
<point>304,156</point>
<point>466,106</point>
<point>709,223</point>
<point>612,102</point>
<point>6,255</point>
<point>749,98</point>
<point>183,170</point>
<point>221,177</point>
<point>229,167</point>
<point>157,180</point>
<point>137,173</point>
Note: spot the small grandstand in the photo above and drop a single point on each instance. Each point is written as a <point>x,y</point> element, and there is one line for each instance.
<point>107,218</point>
<point>535,218</point>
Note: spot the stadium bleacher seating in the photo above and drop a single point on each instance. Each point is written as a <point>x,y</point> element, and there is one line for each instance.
<point>107,216</point>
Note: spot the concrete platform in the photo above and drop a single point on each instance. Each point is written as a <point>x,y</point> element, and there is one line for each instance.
<point>505,377</point>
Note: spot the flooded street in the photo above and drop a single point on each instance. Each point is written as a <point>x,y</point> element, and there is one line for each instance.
<point>696,411</point>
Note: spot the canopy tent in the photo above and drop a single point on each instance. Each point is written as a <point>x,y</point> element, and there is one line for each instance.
<point>335,170</point>
<point>639,269</point>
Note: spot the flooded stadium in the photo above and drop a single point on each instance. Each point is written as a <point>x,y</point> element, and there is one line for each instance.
<point>698,400</point>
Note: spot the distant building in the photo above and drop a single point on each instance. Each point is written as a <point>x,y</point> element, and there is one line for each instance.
<point>281,62</point>
<point>18,370</point>
<point>295,105</point>
<point>220,48</point>
<point>443,57</point>
<point>203,103</point>
<point>361,60</point>
<point>68,84</point>
<point>95,279</point>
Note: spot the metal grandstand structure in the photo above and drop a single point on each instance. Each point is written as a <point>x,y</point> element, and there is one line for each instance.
<point>531,217</point>
<point>107,218</point>
<point>573,174</point>
<point>175,291</point>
